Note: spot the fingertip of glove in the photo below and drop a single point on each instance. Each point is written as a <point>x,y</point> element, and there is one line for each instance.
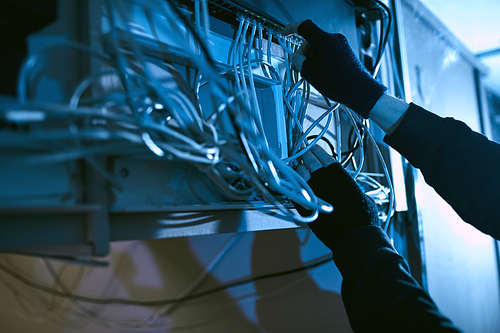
<point>309,29</point>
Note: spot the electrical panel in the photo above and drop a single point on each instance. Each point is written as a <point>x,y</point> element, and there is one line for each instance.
<point>180,118</point>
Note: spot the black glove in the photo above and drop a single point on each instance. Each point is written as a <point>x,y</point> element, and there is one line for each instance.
<point>352,208</point>
<point>335,71</point>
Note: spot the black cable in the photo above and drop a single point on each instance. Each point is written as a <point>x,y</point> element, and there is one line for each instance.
<point>382,33</point>
<point>328,142</point>
<point>379,7</point>
<point>353,145</point>
<point>86,299</point>
<point>381,39</point>
<point>387,32</point>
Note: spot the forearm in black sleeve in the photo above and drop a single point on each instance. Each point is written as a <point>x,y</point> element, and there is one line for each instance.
<point>378,291</point>
<point>460,164</point>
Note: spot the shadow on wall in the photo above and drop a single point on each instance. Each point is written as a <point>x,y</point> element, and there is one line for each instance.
<point>303,307</point>
<point>287,303</point>
<point>172,269</point>
<point>164,269</point>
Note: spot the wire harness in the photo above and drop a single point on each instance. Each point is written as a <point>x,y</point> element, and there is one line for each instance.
<point>169,115</point>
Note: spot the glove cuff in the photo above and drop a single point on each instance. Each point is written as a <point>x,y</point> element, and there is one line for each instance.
<point>365,95</point>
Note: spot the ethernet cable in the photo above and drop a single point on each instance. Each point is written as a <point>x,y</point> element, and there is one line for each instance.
<point>190,136</point>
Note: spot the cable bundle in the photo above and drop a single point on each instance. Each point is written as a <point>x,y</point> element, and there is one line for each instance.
<point>164,114</point>
<point>141,110</point>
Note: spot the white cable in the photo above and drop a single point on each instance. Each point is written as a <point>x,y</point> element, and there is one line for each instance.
<point>188,136</point>
<point>206,20</point>
<point>30,62</point>
<point>255,103</point>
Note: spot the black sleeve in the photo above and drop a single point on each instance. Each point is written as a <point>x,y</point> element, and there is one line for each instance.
<point>460,164</point>
<point>378,291</point>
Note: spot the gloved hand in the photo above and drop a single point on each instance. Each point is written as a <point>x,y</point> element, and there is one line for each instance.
<point>352,208</point>
<point>328,62</point>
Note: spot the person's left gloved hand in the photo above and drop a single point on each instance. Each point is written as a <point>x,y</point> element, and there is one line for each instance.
<point>352,208</point>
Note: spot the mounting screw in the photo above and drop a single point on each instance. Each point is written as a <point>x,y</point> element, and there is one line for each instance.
<point>124,173</point>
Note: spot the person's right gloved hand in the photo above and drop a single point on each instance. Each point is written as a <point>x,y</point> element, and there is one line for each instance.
<point>352,208</point>
<point>328,62</point>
